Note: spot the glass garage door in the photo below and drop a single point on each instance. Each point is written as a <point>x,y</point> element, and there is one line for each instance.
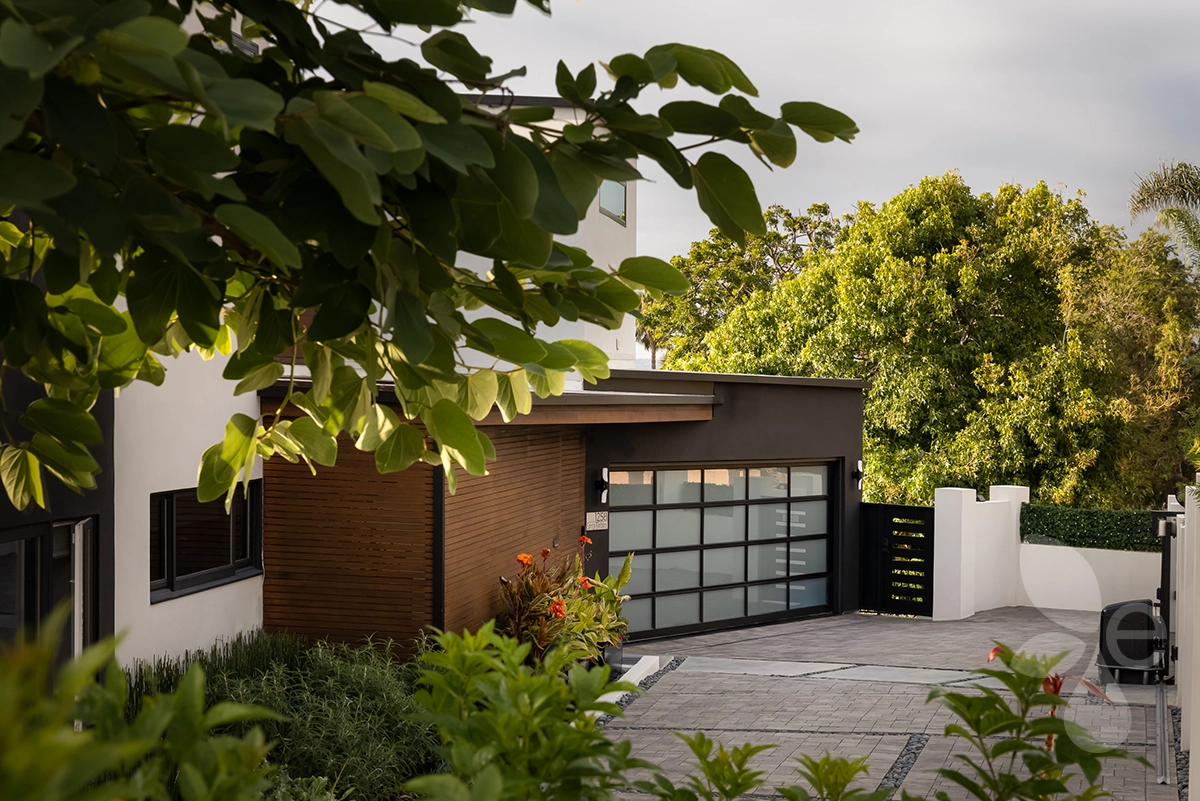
<point>715,545</point>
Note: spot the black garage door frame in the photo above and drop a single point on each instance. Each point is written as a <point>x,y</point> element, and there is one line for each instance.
<point>706,548</point>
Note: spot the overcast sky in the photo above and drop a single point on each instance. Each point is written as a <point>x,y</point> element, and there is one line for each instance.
<point>1084,94</point>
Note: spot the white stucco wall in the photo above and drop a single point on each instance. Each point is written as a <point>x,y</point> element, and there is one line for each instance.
<point>995,562</point>
<point>980,562</point>
<point>159,436</point>
<point>1085,579</point>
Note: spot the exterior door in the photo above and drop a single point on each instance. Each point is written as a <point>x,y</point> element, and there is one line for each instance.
<point>897,553</point>
<point>720,546</point>
<point>43,566</point>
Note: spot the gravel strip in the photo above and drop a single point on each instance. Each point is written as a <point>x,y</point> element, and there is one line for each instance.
<point>645,684</point>
<point>1181,756</point>
<point>903,764</point>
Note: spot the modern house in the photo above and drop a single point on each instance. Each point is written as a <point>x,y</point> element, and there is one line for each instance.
<point>736,494</point>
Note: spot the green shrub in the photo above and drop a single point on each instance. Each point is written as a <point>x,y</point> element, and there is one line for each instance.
<point>245,655</point>
<point>350,716</point>
<point>1089,528</point>
<point>313,788</point>
<point>172,749</point>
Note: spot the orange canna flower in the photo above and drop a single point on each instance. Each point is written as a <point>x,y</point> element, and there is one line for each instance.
<point>584,539</point>
<point>545,552</point>
<point>558,608</point>
<point>525,559</point>
<point>587,585</point>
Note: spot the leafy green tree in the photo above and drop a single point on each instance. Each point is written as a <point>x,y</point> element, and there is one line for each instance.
<point>166,191</point>
<point>1007,339</point>
<point>723,273</point>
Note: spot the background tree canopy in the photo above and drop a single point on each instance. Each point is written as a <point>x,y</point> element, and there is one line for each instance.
<point>1008,339</point>
<point>164,191</point>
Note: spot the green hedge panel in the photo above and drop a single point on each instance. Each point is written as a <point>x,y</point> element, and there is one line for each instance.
<point>1089,528</point>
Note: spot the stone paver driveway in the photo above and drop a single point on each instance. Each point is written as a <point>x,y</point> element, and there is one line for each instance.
<point>855,685</point>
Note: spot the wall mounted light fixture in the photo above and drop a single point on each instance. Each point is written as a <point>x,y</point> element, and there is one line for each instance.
<point>602,485</point>
<point>857,474</point>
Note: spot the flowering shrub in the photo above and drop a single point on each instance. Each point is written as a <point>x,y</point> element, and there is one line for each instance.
<point>548,605</point>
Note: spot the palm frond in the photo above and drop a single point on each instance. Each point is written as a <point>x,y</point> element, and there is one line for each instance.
<point>1175,184</point>
<point>1184,228</point>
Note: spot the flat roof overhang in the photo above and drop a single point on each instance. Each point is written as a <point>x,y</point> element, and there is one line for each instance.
<point>579,408</point>
<point>683,382</point>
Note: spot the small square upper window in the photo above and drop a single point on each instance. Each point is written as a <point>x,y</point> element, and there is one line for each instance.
<point>612,200</point>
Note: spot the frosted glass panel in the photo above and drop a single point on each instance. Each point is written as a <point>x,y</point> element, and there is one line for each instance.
<point>724,524</point>
<point>723,604</point>
<point>724,566</point>
<point>765,598</point>
<point>725,484</point>
<point>640,575</point>
<point>809,518</point>
<point>810,481</point>
<point>766,561</point>
<point>638,614</point>
<point>678,486</point>
<point>808,556</point>
<point>677,571</point>
<point>768,521</point>
<point>631,488</point>
<point>806,593</point>
<point>630,531</point>
<point>678,527</point>
<point>677,610</point>
<point>768,482</point>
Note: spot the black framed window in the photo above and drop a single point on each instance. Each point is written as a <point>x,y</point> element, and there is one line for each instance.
<point>194,545</point>
<point>716,543</point>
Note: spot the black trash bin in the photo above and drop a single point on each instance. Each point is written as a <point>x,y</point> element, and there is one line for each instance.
<point>1132,643</point>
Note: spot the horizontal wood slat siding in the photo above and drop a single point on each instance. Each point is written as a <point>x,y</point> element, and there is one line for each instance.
<point>349,552</point>
<point>533,493</point>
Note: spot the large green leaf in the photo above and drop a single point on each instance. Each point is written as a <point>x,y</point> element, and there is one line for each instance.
<point>160,285</point>
<point>337,112</point>
<point>402,102</point>
<point>314,443</point>
<point>777,144</point>
<point>21,475</point>
<point>259,232</point>
<point>19,95</point>
<point>820,122</point>
<point>191,147</point>
<point>402,449</point>
<point>335,156</point>
<point>146,35</point>
<point>458,145</point>
<point>727,196</point>
<point>401,134</point>
<point>121,356</point>
<point>21,47</point>
<point>27,180</point>
<point>452,52</point>
<point>509,342</point>
<point>481,389</point>
<point>454,431</point>
<point>655,273</point>
<point>245,103</point>
<point>693,117</point>
<point>62,420</point>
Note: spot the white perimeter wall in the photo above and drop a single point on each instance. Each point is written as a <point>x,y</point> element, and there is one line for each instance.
<point>980,562</point>
<point>159,436</point>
